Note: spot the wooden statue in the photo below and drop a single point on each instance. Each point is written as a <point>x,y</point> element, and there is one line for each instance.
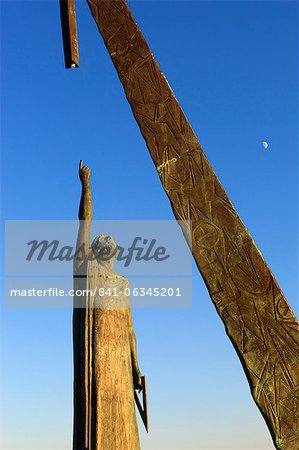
<point>105,358</point>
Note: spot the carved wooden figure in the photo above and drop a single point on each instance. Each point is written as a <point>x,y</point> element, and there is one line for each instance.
<point>105,357</point>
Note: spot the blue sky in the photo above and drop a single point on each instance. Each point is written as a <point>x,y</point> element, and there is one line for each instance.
<point>233,67</point>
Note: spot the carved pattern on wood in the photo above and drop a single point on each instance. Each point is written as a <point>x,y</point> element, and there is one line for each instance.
<point>257,317</point>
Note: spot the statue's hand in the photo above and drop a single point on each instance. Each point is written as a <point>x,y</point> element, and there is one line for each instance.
<point>84,174</point>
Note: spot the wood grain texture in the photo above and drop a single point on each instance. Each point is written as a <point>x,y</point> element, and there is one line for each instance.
<point>105,416</point>
<point>106,370</point>
<point>69,33</point>
<point>256,315</point>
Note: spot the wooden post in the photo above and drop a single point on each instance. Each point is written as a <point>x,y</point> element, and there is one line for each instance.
<point>69,33</point>
<point>257,317</point>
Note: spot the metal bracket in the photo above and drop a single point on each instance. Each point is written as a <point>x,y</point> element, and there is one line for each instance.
<point>142,408</point>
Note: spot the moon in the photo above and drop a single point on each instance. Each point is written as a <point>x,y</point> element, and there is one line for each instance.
<point>265,144</point>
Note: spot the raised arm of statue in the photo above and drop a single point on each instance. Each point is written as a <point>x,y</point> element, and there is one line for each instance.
<point>85,216</point>
<point>135,367</point>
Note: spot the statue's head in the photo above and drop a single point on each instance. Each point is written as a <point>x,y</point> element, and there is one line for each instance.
<point>104,250</point>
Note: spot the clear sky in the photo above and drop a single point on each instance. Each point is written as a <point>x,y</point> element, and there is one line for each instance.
<point>233,67</point>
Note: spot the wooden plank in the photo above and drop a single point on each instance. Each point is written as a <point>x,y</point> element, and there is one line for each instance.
<point>69,33</point>
<point>258,320</point>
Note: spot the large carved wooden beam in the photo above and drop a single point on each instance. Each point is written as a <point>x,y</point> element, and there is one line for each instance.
<point>256,315</point>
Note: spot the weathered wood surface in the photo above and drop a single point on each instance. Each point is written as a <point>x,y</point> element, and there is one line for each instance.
<point>106,367</point>
<point>69,33</point>
<point>105,415</point>
<point>257,317</point>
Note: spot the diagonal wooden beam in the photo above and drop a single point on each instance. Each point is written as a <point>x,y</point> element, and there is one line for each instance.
<point>256,315</point>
